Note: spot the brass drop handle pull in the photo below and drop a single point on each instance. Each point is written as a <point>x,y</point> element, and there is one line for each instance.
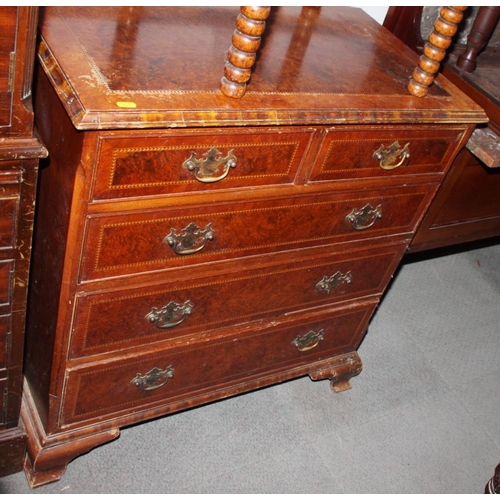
<point>170,315</point>
<point>309,341</point>
<point>393,157</point>
<point>327,284</point>
<point>154,379</point>
<point>365,217</point>
<point>190,240</point>
<point>213,168</point>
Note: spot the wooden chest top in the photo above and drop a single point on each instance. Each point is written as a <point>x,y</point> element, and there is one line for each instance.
<point>157,67</point>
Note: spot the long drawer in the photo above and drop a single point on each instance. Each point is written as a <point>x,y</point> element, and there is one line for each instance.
<point>120,244</point>
<point>148,164</point>
<point>385,152</point>
<point>173,375</point>
<point>114,320</point>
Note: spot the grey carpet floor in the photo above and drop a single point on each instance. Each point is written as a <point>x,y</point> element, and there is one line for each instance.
<point>422,417</point>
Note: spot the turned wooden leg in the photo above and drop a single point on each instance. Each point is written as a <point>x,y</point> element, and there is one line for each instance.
<point>434,52</point>
<point>480,33</point>
<point>340,371</point>
<point>241,56</point>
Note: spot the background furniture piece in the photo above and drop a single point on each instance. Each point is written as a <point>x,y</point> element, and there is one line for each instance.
<point>192,246</point>
<point>20,150</point>
<point>467,206</point>
<point>493,485</point>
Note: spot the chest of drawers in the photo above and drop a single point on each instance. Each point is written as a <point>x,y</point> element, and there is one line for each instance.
<point>191,246</point>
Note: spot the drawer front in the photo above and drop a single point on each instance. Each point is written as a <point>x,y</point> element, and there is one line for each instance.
<point>116,320</point>
<point>118,244</point>
<point>148,165</point>
<point>387,152</point>
<point>173,375</point>
<point>8,221</point>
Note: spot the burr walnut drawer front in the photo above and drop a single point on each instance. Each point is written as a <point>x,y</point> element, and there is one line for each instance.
<point>383,152</point>
<point>121,244</point>
<point>147,164</point>
<point>115,320</point>
<point>176,374</point>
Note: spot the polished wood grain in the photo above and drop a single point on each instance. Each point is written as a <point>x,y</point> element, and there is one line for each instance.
<point>93,82</point>
<point>192,246</point>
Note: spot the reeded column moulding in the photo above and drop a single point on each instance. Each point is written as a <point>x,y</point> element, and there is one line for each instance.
<point>250,25</point>
<point>445,27</point>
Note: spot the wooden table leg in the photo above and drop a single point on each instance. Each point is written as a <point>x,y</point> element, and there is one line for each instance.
<point>482,28</point>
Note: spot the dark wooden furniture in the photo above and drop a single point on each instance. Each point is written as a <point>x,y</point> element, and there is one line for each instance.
<point>192,246</point>
<point>467,206</point>
<point>19,153</point>
<point>481,31</point>
<point>493,485</point>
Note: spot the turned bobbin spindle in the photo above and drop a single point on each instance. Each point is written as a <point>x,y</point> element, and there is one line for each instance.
<point>440,39</point>
<point>250,25</point>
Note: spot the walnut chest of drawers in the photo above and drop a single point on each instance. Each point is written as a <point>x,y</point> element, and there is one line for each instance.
<point>191,246</point>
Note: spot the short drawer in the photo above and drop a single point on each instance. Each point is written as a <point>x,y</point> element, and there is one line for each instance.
<point>115,320</point>
<point>122,244</point>
<point>131,164</point>
<point>385,152</point>
<point>174,375</point>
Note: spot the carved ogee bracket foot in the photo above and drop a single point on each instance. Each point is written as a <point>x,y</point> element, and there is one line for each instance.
<point>340,371</point>
<point>48,456</point>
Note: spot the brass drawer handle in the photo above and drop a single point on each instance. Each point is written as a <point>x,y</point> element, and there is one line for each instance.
<point>393,157</point>
<point>190,240</point>
<point>365,217</point>
<point>309,341</point>
<point>170,315</point>
<point>213,168</point>
<point>327,284</point>
<point>154,379</point>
